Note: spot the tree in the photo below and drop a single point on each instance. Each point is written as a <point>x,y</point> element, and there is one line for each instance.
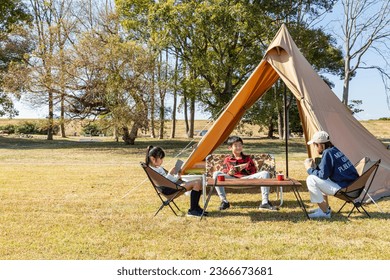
<point>14,43</point>
<point>111,78</point>
<point>144,25</point>
<point>366,28</point>
<point>220,42</point>
<point>12,13</point>
<point>41,75</point>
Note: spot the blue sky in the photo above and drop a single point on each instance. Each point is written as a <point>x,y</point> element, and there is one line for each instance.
<point>367,85</point>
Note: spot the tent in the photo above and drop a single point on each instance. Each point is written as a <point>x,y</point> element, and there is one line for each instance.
<point>319,109</point>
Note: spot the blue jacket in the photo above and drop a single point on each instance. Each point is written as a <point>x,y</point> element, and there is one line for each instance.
<point>335,166</point>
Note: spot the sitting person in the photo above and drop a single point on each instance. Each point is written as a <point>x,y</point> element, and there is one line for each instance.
<point>154,159</point>
<point>239,165</point>
<point>335,171</point>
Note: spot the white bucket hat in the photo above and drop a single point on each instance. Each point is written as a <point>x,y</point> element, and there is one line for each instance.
<point>319,137</point>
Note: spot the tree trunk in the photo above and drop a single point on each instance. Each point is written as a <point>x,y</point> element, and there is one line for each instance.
<point>173,131</point>
<point>161,92</point>
<point>51,117</point>
<point>152,108</point>
<point>280,124</point>
<point>126,135</point>
<point>116,134</point>
<point>192,119</point>
<point>62,118</point>
<point>271,128</point>
<point>186,115</point>
<point>346,83</point>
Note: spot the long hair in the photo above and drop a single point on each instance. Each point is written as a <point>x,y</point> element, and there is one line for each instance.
<point>156,152</point>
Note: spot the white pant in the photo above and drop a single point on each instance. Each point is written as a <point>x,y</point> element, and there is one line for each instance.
<point>319,187</point>
<point>264,190</point>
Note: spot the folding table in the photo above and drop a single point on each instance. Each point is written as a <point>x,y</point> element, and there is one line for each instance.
<point>244,183</point>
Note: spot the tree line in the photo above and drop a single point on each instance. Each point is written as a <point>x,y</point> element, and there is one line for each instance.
<point>120,61</point>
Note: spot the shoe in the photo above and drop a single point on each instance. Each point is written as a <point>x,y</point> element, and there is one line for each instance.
<point>316,210</point>
<point>206,213</point>
<point>320,214</point>
<point>268,206</point>
<point>194,213</point>
<point>224,205</point>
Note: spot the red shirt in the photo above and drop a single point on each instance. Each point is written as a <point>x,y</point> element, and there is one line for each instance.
<point>231,161</point>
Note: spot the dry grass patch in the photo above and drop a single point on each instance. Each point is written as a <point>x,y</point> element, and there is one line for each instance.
<point>67,199</point>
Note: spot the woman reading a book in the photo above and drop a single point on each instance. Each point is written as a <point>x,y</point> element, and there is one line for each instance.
<point>154,158</point>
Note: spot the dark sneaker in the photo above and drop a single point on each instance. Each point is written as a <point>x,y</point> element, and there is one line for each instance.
<point>201,211</point>
<point>268,206</point>
<point>224,205</point>
<point>194,213</point>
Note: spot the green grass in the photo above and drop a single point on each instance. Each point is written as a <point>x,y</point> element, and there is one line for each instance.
<point>67,199</point>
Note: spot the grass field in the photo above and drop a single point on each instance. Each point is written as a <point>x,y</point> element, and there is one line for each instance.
<point>70,199</point>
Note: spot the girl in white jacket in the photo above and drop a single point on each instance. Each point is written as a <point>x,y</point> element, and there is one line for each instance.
<point>154,159</point>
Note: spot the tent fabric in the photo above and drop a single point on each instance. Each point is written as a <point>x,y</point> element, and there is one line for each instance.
<point>319,108</point>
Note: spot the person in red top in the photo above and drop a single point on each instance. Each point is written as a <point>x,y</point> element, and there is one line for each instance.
<point>239,165</point>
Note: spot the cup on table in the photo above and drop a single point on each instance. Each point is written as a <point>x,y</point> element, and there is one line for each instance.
<point>221,178</point>
<point>280,177</point>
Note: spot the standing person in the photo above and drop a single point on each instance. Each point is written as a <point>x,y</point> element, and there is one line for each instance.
<point>154,159</point>
<point>335,171</point>
<point>239,165</point>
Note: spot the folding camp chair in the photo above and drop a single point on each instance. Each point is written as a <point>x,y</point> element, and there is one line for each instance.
<point>353,193</point>
<point>158,181</point>
<point>361,167</point>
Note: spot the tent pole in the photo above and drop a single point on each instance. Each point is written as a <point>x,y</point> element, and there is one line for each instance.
<point>286,125</point>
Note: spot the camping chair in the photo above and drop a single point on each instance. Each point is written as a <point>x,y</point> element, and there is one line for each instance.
<point>158,181</point>
<point>353,192</point>
<point>361,167</point>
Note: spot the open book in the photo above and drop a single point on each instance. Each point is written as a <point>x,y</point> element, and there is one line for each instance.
<point>178,165</point>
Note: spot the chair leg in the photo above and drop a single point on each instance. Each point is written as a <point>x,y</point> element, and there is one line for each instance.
<point>176,205</point>
<point>350,212</point>
<point>159,209</point>
<point>361,206</point>
<point>172,208</point>
<point>167,203</point>
<point>342,207</point>
<point>357,208</point>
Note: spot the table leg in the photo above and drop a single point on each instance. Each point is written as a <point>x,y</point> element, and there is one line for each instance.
<point>300,201</point>
<point>208,198</point>
<point>280,193</point>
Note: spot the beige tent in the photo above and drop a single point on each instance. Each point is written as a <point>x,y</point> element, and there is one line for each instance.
<point>319,108</point>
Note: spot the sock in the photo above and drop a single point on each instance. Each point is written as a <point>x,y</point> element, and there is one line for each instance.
<point>199,194</point>
<point>194,200</point>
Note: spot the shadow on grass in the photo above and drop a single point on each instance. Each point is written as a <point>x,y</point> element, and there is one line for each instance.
<point>171,146</point>
<point>297,215</point>
<point>257,215</point>
<point>290,204</point>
